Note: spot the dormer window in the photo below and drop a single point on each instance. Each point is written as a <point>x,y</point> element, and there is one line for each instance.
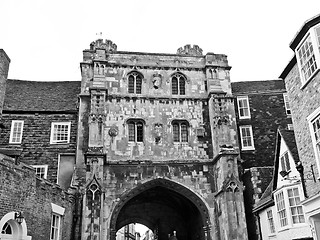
<point>308,55</point>
<point>285,163</point>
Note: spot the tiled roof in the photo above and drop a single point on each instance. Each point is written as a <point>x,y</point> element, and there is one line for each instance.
<point>265,199</point>
<point>41,96</point>
<point>258,86</point>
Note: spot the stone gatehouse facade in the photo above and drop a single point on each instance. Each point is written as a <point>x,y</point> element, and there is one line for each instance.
<point>157,145</point>
<point>144,138</point>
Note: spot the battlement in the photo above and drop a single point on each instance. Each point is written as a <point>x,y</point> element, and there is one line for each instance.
<point>190,50</point>
<point>108,45</point>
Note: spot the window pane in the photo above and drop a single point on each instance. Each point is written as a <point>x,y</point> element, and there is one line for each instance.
<point>184,132</point>
<point>138,84</point>
<point>182,85</point>
<point>131,84</point>
<point>174,85</point>
<point>131,127</point>
<point>139,132</point>
<point>176,132</point>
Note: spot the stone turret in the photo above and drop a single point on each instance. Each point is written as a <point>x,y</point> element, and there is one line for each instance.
<point>195,50</point>
<point>107,45</point>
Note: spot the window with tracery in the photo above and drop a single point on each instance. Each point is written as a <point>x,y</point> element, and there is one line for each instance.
<point>134,83</point>
<point>135,130</point>
<point>180,131</point>
<point>178,84</point>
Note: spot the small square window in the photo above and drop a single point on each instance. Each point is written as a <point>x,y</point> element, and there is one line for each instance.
<point>243,107</point>
<point>246,136</point>
<point>16,131</point>
<point>60,132</point>
<point>41,170</point>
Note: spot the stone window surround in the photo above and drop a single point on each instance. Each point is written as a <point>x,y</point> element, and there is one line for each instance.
<point>246,99</point>
<point>55,141</point>
<point>137,132</point>
<point>14,134</point>
<point>311,118</point>
<point>44,167</point>
<point>136,81</point>
<point>251,137</point>
<point>181,138</point>
<point>178,83</point>
<point>315,41</point>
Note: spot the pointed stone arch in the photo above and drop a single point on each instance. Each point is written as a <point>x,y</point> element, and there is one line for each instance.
<point>178,190</point>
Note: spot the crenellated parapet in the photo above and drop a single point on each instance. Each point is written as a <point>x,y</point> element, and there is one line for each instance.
<point>190,50</point>
<point>107,45</point>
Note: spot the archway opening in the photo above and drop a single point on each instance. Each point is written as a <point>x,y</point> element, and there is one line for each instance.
<point>166,212</point>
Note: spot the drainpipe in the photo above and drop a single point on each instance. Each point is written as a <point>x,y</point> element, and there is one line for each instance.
<point>299,168</point>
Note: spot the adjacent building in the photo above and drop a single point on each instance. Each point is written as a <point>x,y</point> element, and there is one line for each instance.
<point>302,79</point>
<point>280,212</point>
<point>290,206</point>
<point>261,108</point>
<point>31,206</point>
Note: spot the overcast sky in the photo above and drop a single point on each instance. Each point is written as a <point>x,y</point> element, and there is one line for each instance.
<point>45,39</point>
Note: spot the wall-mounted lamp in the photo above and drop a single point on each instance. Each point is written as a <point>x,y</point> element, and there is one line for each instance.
<point>18,217</point>
<point>306,175</point>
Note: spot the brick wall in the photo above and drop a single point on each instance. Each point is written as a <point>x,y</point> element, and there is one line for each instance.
<point>35,147</point>
<point>21,190</point>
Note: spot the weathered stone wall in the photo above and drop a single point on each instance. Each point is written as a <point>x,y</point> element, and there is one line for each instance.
<point>203,169</point>
<point>303,102</point>
<point>35,148</point>
<point>21,190</point>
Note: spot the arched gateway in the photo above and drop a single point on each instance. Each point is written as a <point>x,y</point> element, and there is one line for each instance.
<point>159,148</point>
<point>163,206</point>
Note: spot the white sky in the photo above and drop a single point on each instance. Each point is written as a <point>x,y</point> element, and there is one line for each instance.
<point>45,38</point>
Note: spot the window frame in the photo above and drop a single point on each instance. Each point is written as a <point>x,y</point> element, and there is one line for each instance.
<point>52,134</point>
<point>287,205</point>
<point>286,104</point>
<point>315,142</point>
<point>296,206</point>
<point>183,134</point>
<point>243,98</point>
<point>138,134</point>
<point>45,167</point>
<point>12,132</point>
<point>285,162</point>
<point>55,229</point>
<point>281,209</point>
<point>181,81</point>
<point>136,85</point>
<point>242,138</point>
<point>311,36</point>
<point>270,220</point>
